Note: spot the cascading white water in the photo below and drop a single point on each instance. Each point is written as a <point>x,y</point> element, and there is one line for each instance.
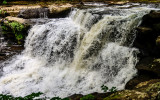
<point>78,54</point>
<point>2,42</point>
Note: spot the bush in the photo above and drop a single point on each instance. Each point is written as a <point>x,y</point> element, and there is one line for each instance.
<point>28,97</point>
<point>17,30</point>
<point>4,2</point>
<point>106,89</point>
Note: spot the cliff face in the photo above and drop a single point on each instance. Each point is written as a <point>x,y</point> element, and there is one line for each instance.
<point>147,41</point>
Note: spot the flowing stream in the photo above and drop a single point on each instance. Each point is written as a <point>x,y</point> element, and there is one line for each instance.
<point>76,55</point>
<point>2,42</point>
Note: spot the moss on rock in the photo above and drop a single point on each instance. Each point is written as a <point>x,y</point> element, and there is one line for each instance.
<point>15,31</point>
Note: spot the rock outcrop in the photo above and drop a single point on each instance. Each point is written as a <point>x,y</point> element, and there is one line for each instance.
<point>147,35</point>
<point>34,13</point>
<point>148,42</point>
<point>37,11</point>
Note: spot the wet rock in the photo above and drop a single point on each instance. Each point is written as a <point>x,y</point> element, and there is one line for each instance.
<point>128,95</point>
<point>156,28</point>
<point>147,34</point>
<point>37,11</point>
<point>158,42</point>
<point>142,76</point>
<point>10,50</point>
<point>15,31</point>
<point>152,87</point>
<point>145,42</point>
<point>152,17</point>
<point>150,65</point>
<point>148,68</point>
<point>148,90</point>
<point>144,30</point>
<point>34,13</point>
<point>75,97</point>
<point>96,96</point>
<point>50,12</point>
<point>19,20</point>
<point>59,12</point>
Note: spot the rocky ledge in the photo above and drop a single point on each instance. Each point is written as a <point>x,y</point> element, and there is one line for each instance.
<point>36,11</point>
<point>146,85</point>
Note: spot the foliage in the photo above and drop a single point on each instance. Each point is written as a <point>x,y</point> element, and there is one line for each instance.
<point>88,97</point>
<point>4,2</point>
<point>28,97</point>
<point>113,89</point>
<point>3,13</point>
<point>19,30</point>
<point>106,89</point>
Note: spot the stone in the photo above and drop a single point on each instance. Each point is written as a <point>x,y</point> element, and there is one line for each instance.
<point>152,17</point>
<point>144,30</point>
<point>158,41</point>
<point>59,12</point>
<point>150,65</point>
<point>142,76</point>
<point>34,13</point>
<point>128,95</point>
<point>145,41</point>
<point>19,20</point>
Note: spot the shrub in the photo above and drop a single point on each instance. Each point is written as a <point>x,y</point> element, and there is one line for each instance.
<point>4,2</point>
<point>18,30</point>
<point>106,89</point>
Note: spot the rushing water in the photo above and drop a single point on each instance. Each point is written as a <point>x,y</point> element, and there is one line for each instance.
<point>2,42</point>
<point>78,54</point>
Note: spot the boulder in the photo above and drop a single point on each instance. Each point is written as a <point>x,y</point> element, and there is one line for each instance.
<point>15,30</point>
<point>145,42</point>
<point>152,17</point>
<point>148,68</point>
<point>128,95</point>
<point>152,87</point>
<point>34,13</point>
<point>59,12</point>
<point>147,34</point>
<point>158,41</point>
<point>142,76</point>
<point>19,20</point>
<point>150,65</point>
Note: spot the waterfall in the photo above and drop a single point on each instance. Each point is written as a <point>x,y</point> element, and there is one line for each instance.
<point>76,55</point>
<point>2,42</point>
